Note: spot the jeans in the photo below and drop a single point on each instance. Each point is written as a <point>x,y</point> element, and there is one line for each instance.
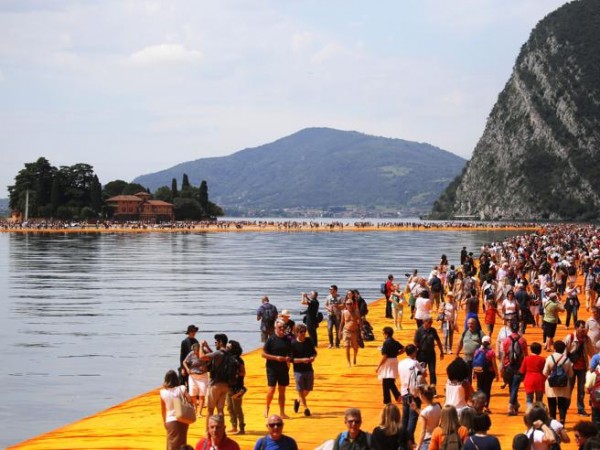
<point>562,407</point>
<point>448,329</point>
<point>409,416</point>
<point>572,312</point>
<point>333,323</point>
<point>514,382</point>
<point>389,386</point>
<point>539,396</point>
<point>579,375</point>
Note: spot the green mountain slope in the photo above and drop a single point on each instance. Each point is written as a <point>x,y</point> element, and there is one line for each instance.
<point>539,155</point>
<point>322,168</point>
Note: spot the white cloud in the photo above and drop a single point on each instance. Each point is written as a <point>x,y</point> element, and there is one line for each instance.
<point>165,54</point>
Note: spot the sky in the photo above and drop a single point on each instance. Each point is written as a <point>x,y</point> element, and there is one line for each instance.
<point>133,87</point>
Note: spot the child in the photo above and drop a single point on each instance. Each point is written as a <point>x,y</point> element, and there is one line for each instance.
<point>491,311</point>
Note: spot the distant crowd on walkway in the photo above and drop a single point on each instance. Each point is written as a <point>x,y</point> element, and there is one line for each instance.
<point>529,281</point>
<point>230,224</point>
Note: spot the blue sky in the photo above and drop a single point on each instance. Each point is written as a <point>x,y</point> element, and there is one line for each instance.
<point>133,87</point>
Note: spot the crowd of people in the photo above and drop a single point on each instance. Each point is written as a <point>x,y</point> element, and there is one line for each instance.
<point>534,280</point>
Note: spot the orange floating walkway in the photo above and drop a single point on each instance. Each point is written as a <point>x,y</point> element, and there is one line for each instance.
<point>137,423</point>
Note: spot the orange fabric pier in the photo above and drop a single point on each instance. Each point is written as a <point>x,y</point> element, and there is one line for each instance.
<point>137,424</point>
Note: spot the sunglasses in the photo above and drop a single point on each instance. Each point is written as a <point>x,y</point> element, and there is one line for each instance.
<point>275,425</point>
<point>352,421</point>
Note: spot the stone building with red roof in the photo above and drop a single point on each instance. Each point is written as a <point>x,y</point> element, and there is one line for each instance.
<point>140,207</point>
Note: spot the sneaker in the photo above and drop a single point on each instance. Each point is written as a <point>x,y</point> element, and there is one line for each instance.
<point>307,412</point>
<point>583,413</point>
<point>296,406</point>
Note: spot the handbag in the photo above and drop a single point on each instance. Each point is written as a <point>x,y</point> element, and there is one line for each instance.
<point>184,410</point>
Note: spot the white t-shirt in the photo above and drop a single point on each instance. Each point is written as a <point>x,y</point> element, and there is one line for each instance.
<point>168,395</point>
<point>404,367</point>
<point>423,306</point>
<point>449,312</point>
<point>510,307</point>
<point>432,415</point>
<point>455,395</point>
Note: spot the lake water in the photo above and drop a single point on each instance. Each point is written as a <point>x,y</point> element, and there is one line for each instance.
<point>90,320</point>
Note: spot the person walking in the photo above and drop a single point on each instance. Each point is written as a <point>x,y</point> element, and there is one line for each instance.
<point>388,291</point>
<point>532,369</point>
<point>311,314</point>
<point>275,439</point>
<point>216,437</point>
<point>514,350</point>
<point>425,339</point>
<point>579,349</point>
<point>390,433</point>
<point>351,324</point>
<point>552,307</point>
<point>448,317</point>
<point>197,369</point>
<point>303,355</point>
<point>558,393</point>
<point>470,341</point>
<point>407,369</point>
<point>387,369</point>
<point>266,313</point>
<point>278,353</point>
<point>176,431</point>
<point>353,438</point>
<point>485,369</point>
<point>429,416</point>
<point>334,305</point>
<point>236,391</point>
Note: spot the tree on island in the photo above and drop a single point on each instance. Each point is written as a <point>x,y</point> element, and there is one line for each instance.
<point>75,192</point>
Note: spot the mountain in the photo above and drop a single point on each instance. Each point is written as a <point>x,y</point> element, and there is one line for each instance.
<point>539,155</point>
<point>322,168</point>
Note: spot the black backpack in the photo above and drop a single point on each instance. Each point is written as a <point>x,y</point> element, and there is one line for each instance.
<point>269,314</point>
<point>227,371</point>
<point>558,376</point>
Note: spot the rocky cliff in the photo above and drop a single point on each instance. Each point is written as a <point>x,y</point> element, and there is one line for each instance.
<point>539,156</point>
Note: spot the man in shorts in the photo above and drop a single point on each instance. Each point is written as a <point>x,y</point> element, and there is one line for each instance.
<point>218,386</point>
<point>334,305</point>
<point>303,354</point>
<point>278,353</point>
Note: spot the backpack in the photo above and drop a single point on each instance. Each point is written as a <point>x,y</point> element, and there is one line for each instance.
<point>382,288</point>
<point>452,442</point>
<point>558,376</point>
<point>451,276</point>
<point>227,371</point>
<point>269,314</point>
<point>363,309</point>
<point>480,361</point>
<point>515,352</point>
<point>367,332</point>
<point>416,379</point>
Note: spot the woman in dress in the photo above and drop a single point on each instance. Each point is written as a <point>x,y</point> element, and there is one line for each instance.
<point>176,431</point>
<point>387,370</point>
<point>429,416</point>
<point>390,433</point>
<point>197,368</point>
<point>450,429</point>
<point>532,368</point>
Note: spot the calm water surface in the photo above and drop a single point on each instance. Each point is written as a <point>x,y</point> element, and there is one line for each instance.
<point>90,320</point>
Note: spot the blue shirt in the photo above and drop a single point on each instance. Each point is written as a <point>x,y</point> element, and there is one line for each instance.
<point>283,443</point>
<point>595,361</point>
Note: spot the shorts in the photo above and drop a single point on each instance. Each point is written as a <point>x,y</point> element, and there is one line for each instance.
<point>304,381</point>
<point>350,338</point>
<point>549,329</point>
<point>216,396</point>
<point>198,384</point>
<point>278,377</point>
